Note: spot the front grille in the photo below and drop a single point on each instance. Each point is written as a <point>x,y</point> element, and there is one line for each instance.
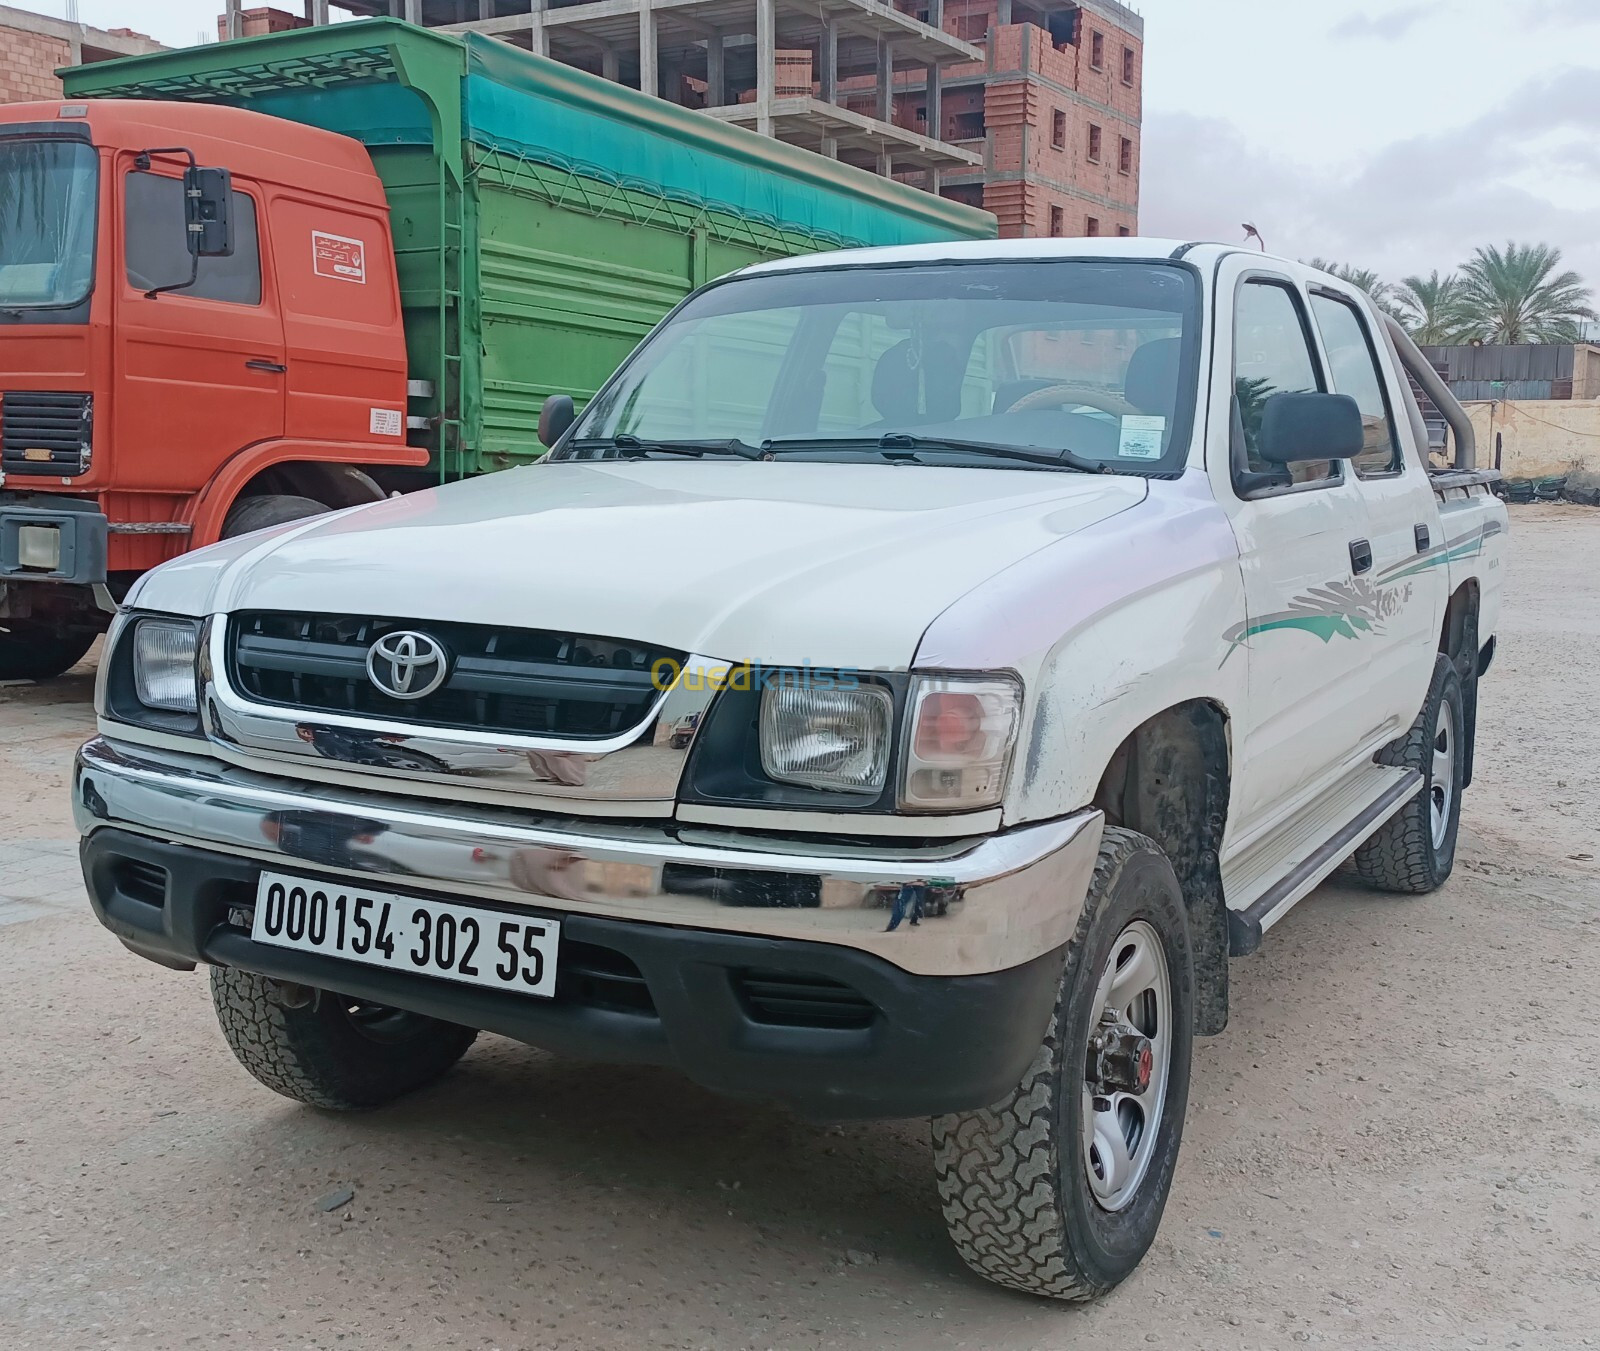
<point>525,681</point>
<point>796,999</point>
<point>43,433</point>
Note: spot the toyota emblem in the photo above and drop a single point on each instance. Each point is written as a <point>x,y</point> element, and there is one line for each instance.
<point>407,664</point>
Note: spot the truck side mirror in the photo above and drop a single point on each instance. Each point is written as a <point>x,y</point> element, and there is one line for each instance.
<point>1298,427</point>
<point>206,199</point>
<point>555,417</point>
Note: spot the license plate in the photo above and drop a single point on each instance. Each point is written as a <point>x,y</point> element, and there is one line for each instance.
<point>406,933</point>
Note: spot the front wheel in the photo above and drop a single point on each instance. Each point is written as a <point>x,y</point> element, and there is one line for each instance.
<point>34,652</point>
<point>1059,1189</point>
<point>328,1049</point>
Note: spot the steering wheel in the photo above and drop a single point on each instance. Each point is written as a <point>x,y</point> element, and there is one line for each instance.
<point>1062,393</point>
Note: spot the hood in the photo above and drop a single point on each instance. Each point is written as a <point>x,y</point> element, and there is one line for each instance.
<point>773,561</point>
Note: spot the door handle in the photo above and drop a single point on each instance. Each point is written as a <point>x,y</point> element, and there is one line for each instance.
<point>1422,537</point>
<point>259,364</point>
<point>1360,556</point>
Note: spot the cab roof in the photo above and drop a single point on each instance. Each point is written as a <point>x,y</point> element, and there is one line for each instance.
<point>267,149</point>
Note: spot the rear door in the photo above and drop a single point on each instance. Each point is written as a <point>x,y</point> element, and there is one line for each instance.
<point>200,370</point>
<point>1408,582</point>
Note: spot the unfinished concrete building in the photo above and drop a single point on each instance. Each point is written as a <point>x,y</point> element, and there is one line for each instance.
<point>1031,111</point>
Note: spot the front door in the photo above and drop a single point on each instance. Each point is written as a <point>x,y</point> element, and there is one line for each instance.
<point>1307,636</point>
<point>200,370</point>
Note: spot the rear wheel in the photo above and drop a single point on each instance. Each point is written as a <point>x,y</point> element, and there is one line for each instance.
<point>1059,1189</point>
<point>328,1049</point>
<point>257,513</point>
<point>34,652</point>
<point>1414,851</point>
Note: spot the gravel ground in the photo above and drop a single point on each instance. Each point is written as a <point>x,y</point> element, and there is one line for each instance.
<point>1396,1143</point>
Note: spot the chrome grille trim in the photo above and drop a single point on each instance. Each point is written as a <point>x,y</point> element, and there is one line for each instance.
<point>641,764</point>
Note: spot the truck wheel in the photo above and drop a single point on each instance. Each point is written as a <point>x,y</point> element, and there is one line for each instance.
<point>1059,1189</point>
<point>1415,849</point>
<point>257,513</point>
<point>330,1050</point>
<point>32,652</point>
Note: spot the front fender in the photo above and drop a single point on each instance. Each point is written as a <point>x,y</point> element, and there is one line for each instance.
<point>1108,628</point>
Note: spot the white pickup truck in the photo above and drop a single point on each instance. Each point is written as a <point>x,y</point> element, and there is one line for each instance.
<point>898,693</point>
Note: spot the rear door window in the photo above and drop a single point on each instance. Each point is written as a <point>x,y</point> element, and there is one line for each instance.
<point>155,250</point>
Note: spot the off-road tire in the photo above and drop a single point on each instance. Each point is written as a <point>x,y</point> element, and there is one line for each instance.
<point>318,1054</point>
<point>32,652</point>
<point>1401,856</point>
<point>1011,1177</point>
<point>257,513</point>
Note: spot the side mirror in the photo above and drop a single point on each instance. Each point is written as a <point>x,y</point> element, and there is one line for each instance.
<point>206,196</point>
<point>1297,427</point>
<point>555,417</point>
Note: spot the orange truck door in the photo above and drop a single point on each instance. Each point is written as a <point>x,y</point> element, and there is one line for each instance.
<point>341,317</point>
<point>201,370</point>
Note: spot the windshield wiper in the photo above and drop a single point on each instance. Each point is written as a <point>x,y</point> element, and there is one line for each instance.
<point>631,447</point>
<point>890,442</point>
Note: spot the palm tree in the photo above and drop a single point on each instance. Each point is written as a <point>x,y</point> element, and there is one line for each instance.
<point>1363,278</point>
<point>1518,295</point>
<point>1434,310</point>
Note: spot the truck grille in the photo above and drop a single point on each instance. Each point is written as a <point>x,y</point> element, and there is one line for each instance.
<point>521,681</point>
<point>43,433</point>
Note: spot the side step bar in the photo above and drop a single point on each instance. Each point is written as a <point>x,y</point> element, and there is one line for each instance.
<point>1245,927</point>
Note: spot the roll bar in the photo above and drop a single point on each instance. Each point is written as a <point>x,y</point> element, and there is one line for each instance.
<point>1421,370</point>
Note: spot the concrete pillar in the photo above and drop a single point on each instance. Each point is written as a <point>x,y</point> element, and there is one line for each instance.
<point>716,71</point>
<point>885,80</point>
<point>649,71</point>
<point>235,19</point>
<point>319,12</point>
<point>608,65</point>
<point>540,43</point>
<point>885,161</point>
<point>935,104</point>
<point>413,11</point>
<point>828,60</point>
<point>766,62</point>
<point>486,9</point>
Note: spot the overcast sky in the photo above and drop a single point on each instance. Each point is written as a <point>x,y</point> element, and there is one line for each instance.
<point>1394,136</point>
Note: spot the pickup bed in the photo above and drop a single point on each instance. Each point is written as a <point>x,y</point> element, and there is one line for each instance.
<point>898,693</point>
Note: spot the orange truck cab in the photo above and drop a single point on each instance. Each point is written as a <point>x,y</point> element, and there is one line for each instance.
<point>157,394</point>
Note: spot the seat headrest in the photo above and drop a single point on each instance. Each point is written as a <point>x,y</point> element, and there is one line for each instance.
<point>1150,383</point>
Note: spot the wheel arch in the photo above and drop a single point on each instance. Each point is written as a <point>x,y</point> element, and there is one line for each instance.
<point>1170,779</point>
<point>332,473</point>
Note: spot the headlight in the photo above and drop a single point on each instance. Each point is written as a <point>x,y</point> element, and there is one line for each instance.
<point>962,733</point>
<point>164,664</point>
<point>836,739</point>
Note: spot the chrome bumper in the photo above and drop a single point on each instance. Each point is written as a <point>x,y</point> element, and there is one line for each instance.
<point>962,908</point>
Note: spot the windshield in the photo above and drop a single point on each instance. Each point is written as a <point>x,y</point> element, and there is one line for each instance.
<point>47,220</point>
<point>1092,358</point>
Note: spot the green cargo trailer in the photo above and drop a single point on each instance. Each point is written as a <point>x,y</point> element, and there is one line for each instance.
<point>543,218</point>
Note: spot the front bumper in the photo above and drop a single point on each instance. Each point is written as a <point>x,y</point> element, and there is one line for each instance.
<point>75,532</point>
<point>993,903</point>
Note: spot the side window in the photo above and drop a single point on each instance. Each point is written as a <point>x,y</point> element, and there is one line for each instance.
<point>1272,354</point>
<point>1353,364</point>
<point>155,251</point>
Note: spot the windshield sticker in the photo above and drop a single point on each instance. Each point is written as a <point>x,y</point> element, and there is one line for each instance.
<point>1141,437</point>
<point>339,257</point>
